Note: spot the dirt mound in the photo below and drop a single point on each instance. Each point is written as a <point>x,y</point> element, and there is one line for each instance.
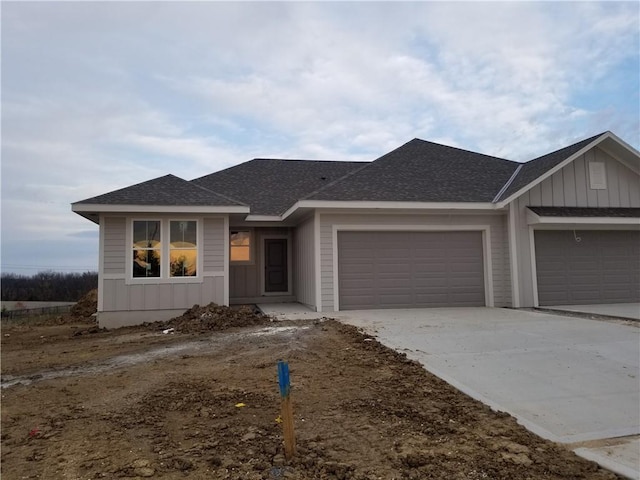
<point>86,306</point>
<point>213,317</point>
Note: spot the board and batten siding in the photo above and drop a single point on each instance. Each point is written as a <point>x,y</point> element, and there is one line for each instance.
<point>304,263</point>
<point>498,234</point>
<point>570,187</point>
<point>126,303</point>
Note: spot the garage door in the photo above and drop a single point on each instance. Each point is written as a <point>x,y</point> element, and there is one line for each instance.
<point>410,269</point>
<point>587,267</point>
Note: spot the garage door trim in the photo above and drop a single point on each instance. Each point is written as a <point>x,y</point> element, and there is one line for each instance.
<point>486,250</point>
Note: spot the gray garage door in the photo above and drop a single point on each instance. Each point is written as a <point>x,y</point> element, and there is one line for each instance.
<point>588,267</point>
<point>410,269</point>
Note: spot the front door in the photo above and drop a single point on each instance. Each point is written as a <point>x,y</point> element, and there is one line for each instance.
<point>276,276</point>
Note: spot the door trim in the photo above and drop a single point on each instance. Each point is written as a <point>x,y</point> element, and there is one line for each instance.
<point>486,249</point>
<point>263,262</point>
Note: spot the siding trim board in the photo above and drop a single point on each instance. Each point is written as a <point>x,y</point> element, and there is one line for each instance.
<point>535,219</point>
<point>317,260</point>
<point>513,257</point>
<point>486,249</point>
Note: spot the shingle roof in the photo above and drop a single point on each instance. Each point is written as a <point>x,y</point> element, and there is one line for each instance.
<point>271,186</point>
<point>421,171</point>
<point>418,171</point>
<point>622,212</point>
<point>168,190</point>
<point>539,166</point>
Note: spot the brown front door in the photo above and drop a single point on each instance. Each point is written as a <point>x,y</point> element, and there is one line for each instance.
<point>276,276</point>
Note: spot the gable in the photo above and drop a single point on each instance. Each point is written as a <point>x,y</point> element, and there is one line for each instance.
<point>528,173</point>
<point>571,185</point>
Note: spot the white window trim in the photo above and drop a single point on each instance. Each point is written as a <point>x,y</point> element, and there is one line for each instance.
<point>164,252</point>
<point>252,247</point>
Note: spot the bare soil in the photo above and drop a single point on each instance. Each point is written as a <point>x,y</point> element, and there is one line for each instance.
<point>168,408</point>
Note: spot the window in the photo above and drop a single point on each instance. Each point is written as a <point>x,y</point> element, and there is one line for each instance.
<point>183,249</point>
<point>164,249</point>
<point>240,245</point>
<point>147,248</point>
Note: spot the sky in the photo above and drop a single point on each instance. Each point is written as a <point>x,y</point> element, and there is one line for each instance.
<point>98,96</point>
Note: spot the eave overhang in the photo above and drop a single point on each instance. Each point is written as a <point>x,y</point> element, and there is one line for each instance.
<point>93,211</point>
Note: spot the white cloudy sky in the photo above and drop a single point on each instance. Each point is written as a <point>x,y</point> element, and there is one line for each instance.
<point>99,95</point>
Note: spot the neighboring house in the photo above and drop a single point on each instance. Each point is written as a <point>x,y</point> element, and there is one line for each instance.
<point>425,225</point>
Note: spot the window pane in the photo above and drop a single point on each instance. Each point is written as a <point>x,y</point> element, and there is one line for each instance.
<point>146,234</point>
<point>146,263</point>
<point>183,234</point>
<point>183,262</point>
<point>240,250</point>
<point>240,253</point>
<point>240,238</point>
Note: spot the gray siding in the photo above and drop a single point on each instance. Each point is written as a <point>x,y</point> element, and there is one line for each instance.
<point>126,301</point>
<point>115,245</point>
<point>213,248</point>
<point>498,247</point>
<point>569,187</point>
<point>244,281</point>
<point>304,263</point>
<point>121,297</point>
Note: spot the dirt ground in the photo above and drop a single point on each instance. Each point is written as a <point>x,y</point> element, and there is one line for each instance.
<point>82,403</point>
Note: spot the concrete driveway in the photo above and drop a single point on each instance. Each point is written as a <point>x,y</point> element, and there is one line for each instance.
<point>570,380</point>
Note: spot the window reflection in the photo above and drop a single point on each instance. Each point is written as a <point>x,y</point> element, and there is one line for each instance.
<point>240,246</point>
<point>183,252</point>
<point>146,248</point>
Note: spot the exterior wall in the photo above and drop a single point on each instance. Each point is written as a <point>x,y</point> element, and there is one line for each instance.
<point>498,263</point>
<point>304,263</point>
<point>115,230</point>
<point>125,301</point>
<point>245,280</point>
<point>569,187</point>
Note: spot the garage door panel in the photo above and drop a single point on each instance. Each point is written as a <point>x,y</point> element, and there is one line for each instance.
<point>410,269</point>
<point>602,267</point>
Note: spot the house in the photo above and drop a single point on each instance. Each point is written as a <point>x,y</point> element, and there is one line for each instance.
<point>425,225</point>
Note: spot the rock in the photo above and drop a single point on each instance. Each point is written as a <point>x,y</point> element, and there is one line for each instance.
<point>141,463</point>
<point>144,472</point>
<point>248,436</point>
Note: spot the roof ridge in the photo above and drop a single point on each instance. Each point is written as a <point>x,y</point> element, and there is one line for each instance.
<point>304,160</point>
<point>226,197</point>
<point>465,150</point>
<point>347,175</point>
<point>507,184</point>
<point>588,139</point>
<point>330,184</point>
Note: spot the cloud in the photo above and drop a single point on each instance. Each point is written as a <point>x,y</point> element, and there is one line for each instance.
<point>96,98</point>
